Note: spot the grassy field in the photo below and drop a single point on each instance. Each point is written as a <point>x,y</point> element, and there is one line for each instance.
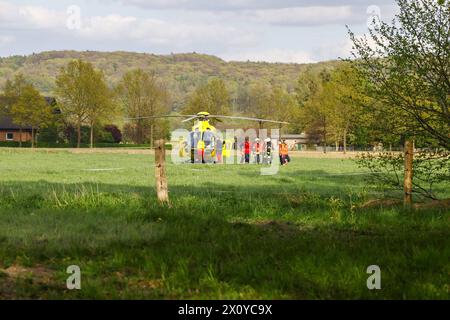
<point>229,234</point>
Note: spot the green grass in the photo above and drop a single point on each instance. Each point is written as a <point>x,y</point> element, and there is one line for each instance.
<point>230,233</point>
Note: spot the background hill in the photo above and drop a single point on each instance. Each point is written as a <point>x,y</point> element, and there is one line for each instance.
<point>182,73</point>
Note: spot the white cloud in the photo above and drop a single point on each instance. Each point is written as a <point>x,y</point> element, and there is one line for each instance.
<point>283,30</point>
<point>318,15</point>
<point>342,49</point>
<point>273,55</point>
<point>242,4</point>
<point>6,40</point>
<point>115,27</point>
<point>156,31</point>
<point>39,17</point>
<point>26,17</point>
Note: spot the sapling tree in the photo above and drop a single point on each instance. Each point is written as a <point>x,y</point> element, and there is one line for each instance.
<point>406,65</point>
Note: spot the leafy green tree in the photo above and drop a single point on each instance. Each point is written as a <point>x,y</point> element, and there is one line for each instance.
<point>12,90</point>
<point>144,96</point>
<point>315,118</point>
<point>31,109</point>
<point>259,100</point>
<point>102,107</point>
<point>83,95</point>
<point>346,101</point>
<point>406,65</point>
<point>282,105</point>
<point>407,68</point>
<point>308,84</point>
<point>315,111</point>
<point>212,97</point>
<point>267,101</point>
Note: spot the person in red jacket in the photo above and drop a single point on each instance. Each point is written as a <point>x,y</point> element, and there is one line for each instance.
<point>247,149</point>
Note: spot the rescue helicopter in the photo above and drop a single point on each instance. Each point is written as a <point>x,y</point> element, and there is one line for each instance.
<point>201,120</point>
<point>202,125</point>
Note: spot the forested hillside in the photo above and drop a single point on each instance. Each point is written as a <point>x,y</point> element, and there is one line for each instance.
<point>181,73</point>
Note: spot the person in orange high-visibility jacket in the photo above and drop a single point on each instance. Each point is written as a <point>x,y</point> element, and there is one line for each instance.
<point>284,153</point>
<point>280,152</point>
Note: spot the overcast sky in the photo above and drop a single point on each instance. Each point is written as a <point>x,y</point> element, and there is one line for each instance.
<point>258,30</point>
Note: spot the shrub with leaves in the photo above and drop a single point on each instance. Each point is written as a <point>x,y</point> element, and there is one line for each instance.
<point>386,170</point>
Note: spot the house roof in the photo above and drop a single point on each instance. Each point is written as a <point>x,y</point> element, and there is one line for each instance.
<point>6,122</point>
<point>294,136</point>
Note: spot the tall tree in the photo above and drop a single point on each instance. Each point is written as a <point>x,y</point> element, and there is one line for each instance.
<point>143,96</point>
<point>282,104</point>
<point>345,97</point>
<point>31,109</point>
<point>259,100</point>
<point>308,84</point>
<point>83,95</point>
<point>315,112</point>
<point>212,97</point>
<point>406,65</point>
<point>12,90</point>
<point>102,107</point>
<point>315,117</point>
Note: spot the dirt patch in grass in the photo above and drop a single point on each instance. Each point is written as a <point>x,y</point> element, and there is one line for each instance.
<point>385,203</point>
<point>151,284</point>
<point>17,271</point>
<point>380,203</point>
<point>435,204</point>
<point>147,151</point>
<point>9,277</point>
<point>321,155</point>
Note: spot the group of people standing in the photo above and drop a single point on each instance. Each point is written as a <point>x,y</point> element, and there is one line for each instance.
<point>207,148</point>
<point>256,152</point>
<point>262,151</point>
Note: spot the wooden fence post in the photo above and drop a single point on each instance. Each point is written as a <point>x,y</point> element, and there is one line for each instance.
<point>162,189</point>
<point>408,179</point>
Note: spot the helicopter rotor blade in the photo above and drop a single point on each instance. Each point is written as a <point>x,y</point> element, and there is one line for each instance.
<point>161,116</point>
<point>248,118</point>
<point>190,119</point>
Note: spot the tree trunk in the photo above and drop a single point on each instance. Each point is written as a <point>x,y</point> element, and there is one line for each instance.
<point>162,190</point>
<point>408,179</point>
<point>152,127</point>
<point>336,143</point>
<point>78,135</point>
<point>139,132</point>
<point>92,136</point>
<point>344,140</point>
<point>20,137</point>
<point>32,137</point>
